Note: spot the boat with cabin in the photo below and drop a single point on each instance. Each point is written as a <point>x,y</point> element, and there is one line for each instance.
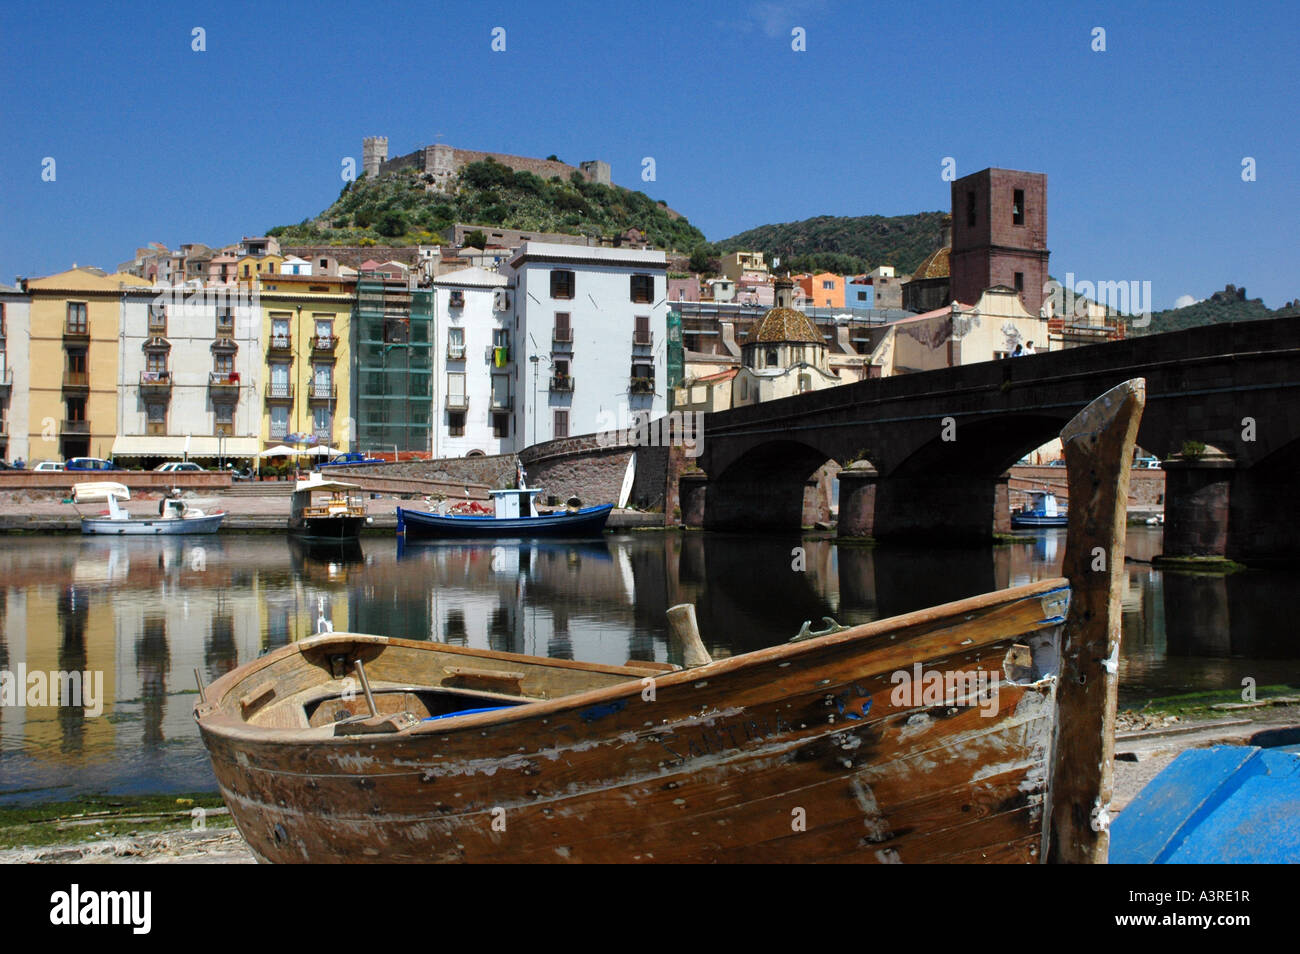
<point>323,509</point>
<point>1043,510</point>
<point>515,514</point>
<point>974,731</point>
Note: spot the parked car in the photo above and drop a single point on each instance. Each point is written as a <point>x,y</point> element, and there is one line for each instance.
<point>1147,463</point>
<point>90,463</point>
<point>49,466</point>
<point>177,466</point>
<point>352,458</point>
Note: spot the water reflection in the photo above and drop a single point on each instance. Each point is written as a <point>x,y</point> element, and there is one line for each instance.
<point>146,613</point>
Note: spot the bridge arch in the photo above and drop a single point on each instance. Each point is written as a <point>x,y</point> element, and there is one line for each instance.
<point>764,488</point>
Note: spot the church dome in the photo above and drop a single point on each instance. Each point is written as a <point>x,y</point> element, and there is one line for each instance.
<point>786,324</point>
<point>934,266</point>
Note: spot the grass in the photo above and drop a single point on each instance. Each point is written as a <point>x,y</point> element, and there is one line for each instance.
<point>94,817</point>
<point>1197,705</point>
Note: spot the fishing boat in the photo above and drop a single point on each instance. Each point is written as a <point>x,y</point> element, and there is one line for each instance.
<point>1041,511</point>
<point>978,730</point>
<point>324,509</point>
<point>514,515</point>
<point>174,516</point>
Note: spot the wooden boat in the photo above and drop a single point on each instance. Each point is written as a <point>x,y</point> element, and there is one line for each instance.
<point>1042,511</point>
<point>324,509</point>
<point>515,515</point>
<point>980,730</point>
<point>175,517</point>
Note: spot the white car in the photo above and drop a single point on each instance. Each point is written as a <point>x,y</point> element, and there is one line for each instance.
<point>176,466</point>
<point>49,465</point>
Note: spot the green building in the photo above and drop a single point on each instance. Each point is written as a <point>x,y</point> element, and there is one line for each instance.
<point>394,328</point>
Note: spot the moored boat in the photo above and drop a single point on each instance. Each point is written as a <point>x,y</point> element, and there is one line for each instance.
<point>1043,510</point>
<point>175,517</point>
<point>515,515</point>
<point>979,730</point>
<point>323,509</point>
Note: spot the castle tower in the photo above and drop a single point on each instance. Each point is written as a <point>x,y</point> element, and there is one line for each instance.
<point>596,171</point>
<point>999,235</point>
<point>374,153</point>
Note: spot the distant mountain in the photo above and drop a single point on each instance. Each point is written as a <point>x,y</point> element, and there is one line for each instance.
<point>397,210</point>
<point>845,244</point>
<point>1231,304</point>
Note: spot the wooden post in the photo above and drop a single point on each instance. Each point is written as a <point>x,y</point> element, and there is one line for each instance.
<point>1098,450</point>
<point>686,634</point>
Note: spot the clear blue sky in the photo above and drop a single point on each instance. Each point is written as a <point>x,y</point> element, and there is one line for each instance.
<point>1142,144</point>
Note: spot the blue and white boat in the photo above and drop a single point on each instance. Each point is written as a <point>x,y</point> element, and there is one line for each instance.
<point>515,515</point>
<point>1042,511</point>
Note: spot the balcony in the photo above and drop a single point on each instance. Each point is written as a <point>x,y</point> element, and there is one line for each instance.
<point>643,339</point>
<point>455,352</point>
<point>323,345</point>
<point>76,331</point>
<point>156,383</point>
<point>500,403</point>
<point>457,402</point>
<point>223,384</point>
<point>322,393</point>
<point>280,344</point>
<point>642,386</point>
<point>76,380</point>
<point>562,336</point>
<point>75,427</point>
<point>279,392</point>
<point>561,382</point>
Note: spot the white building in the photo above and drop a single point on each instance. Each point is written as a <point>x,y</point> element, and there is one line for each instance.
<point>15,371</point>
<point>591,330</point>
<point>293,265</point>
<point>474,358</point>
<point>189,365</point>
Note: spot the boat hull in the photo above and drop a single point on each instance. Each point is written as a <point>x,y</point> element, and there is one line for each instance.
<point>327,529</point>
<point>418,525</point>
<point>800,752</point>
<point>159,527</point>
<point>1029,521</point>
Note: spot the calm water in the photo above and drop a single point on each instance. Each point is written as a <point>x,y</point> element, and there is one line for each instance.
<point>145,613</point>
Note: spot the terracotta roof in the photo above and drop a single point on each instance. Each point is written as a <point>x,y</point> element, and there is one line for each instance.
<point>786,324</point>
<point>934,266</point>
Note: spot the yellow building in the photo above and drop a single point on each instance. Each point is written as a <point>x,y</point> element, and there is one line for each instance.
<point>75,321</point>
<point>253,268</point>
<point>306,340</point>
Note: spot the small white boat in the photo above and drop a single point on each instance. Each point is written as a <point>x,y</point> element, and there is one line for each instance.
<point>1042,511</point>
<point>174,516</point>
<point>324,509</point>
<point>99,491</point>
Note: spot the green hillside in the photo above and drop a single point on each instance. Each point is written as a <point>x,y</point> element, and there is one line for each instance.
<point>845,244</point>
<point>396,210</point>
<point>1231,304</point>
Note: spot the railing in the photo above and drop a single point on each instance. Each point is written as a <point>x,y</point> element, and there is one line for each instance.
<point>324,342</point>
<point>76,379</point>
<point>642,386</point>
<point>455,352</point>
<point>643,339</point>
<point>76,427</point>
<point>322,392</point>
<point>280,343</point>
<point>562,335</point>
<point>561,382</point>
<point>76,329</point>
<point>502,403</point>
<point>457,402</point>
<point>279,391</point>
<point>221,379</point>
<point>156,380</point>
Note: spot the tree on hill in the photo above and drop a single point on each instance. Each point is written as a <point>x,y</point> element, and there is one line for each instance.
<point>476,239</point>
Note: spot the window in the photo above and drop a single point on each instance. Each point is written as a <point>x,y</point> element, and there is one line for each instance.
<point>77,368</point>
<point>323,380</point>
<point>76,409</point>
<point>158,319</point>
<point>279,381</point>
<point>772,358</point>
<point>156,362</point>
<point>970,209</point>
<point>2,319</point>
<point>279,331</point>
<point>225,413</point>
<point>280,420</point>
<point>456,423</point>
<point>1018,208</point>
<point>500,425</point>
<point>642,334</point>
<point>155,419</point>
<point>862,296</point>
<point>226,323</point>
<point>563,331</point>
<point>828,284</point>
<point>805,382</point>
<point>562,368</point>
<point>456,390</point>
<point>642,289</point>
<point>456,344</point>
<point>77,318</point>
<point>324,332</point>
<point>500,391</point>
<point>322,423</point>
<point>1020,281</point>
<point>562,284</point>
<point>223,364</point>
<point>561,422</point>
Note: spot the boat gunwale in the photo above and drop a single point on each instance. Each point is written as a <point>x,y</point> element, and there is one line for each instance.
<point>489,518</point>
<point>220,721</point>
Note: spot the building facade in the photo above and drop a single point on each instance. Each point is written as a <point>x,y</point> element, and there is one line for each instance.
<point>15,372</point>
<point>999,235</point>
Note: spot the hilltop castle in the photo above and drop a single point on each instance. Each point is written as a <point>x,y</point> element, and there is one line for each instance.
<point>441,163</point>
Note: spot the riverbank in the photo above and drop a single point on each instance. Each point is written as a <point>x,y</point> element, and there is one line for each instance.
<point>197,829</point>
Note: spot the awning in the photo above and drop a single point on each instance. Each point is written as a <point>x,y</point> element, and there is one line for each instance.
<point>174,447</point>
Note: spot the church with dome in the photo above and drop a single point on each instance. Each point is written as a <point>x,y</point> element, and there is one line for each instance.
<point>785,355</point>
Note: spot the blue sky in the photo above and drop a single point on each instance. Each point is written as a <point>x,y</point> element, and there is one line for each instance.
<point>1142,144</point>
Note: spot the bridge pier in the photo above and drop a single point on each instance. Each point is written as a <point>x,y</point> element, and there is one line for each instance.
<point>1264,512</point>
<point>939,507</point>
<point>857,517</point>
<point>692,490</point>
<point>1198,495</point>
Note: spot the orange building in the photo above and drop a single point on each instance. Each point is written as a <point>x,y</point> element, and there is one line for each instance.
<point>823,290</point>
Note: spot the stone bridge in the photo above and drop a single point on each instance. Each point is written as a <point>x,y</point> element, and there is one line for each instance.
<point>931,450</point>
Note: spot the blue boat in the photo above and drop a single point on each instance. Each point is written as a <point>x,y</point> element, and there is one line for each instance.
<point>1227,804</point>
<point>1042,511</point>
<point>515,517</point>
